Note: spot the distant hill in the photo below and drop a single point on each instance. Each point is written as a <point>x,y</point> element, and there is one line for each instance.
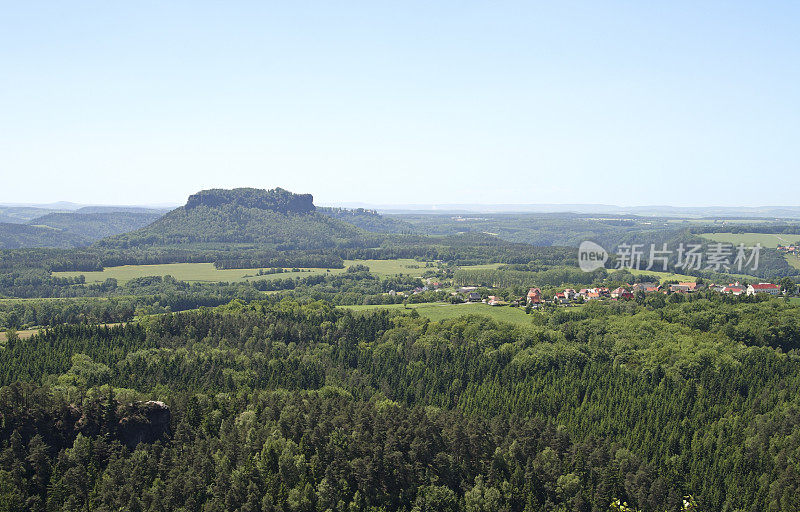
<point>26,227</point>
<point>273,218</point>
<point>369,220</point>
<point>94,226</point>
<point>129,209</point>
<point>23,214</point>
<point>17,236</point>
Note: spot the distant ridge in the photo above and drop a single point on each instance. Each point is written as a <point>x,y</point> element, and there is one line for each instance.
<point>784,212</point>
<point>18,236</point>
<point>94,226</point>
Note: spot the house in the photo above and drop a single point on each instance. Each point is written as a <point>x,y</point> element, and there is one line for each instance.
<point>493,300</point>
<point>570,294</point>
<point>592,293</point>
<point>692,286</point>
<point>621,293</point>
<point>561,298</point>
<point>772,289</point>
<point>679,288</point>
<point>467,289</point>
<point>732,289</point>
<point>474,297</point>
<point>645,287</point>
<point>535,296</point>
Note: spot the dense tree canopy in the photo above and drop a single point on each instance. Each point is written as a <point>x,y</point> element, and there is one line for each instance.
<point>286,406</point>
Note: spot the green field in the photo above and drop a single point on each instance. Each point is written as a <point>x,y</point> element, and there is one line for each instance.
<point>484,266</point>
<point>767,240</point>
<point>441,311</point>
<point>23,334</point>
<point>205,272</point>
<point>195,272</point>
<point>663,276</point>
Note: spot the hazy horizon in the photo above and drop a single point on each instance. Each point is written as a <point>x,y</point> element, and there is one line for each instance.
<point>580,208</point>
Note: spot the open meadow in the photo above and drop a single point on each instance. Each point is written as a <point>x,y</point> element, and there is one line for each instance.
<point>206,272</point>
<point>443,310</point>
<point>767,240</point>
<point>663,276</point>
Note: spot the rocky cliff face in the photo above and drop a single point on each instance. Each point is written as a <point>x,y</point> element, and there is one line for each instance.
<point>146,422</point>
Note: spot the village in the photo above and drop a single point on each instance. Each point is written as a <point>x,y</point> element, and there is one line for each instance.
<point>535,298</point>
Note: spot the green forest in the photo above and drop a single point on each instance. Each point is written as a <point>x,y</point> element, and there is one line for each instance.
<point>284,405</point>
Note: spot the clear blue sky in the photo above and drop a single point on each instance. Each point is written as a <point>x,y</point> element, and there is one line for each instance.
<point>631,103</point>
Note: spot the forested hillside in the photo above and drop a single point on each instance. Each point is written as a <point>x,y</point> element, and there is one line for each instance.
<point>23,214</point>
<point>283,406</point>
<point>94,226</point>
<point>15,236</point>
<point>368,220</point>
<point>23,227</point>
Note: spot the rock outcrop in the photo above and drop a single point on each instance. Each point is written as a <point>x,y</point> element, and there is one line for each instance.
<point>146,422</point>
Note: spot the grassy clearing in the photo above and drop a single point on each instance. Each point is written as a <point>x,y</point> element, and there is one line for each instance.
<point>767,240</point>
<point>392,267</point>
<point>441,311</point>
<point>792,260</point>
<point>663,276</point>
<point>205,272</point>
<point>23,334</point>
<point>193,272</point>
<point>485,266</point>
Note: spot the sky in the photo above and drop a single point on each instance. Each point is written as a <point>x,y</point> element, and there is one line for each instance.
<point>379,102</point>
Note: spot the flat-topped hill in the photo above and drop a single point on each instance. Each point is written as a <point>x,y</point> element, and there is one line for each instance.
<point>273,218</point>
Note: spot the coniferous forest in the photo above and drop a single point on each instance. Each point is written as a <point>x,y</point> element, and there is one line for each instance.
<point>286,405</point>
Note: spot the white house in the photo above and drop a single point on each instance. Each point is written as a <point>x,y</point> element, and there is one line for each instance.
<point>772,289</point>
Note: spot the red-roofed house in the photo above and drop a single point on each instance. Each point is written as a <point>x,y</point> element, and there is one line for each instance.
<point>621,293</point>
<point>561,298</point>
<point>732,289</point>
<point>772,289</point>
<point>535,296</point>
